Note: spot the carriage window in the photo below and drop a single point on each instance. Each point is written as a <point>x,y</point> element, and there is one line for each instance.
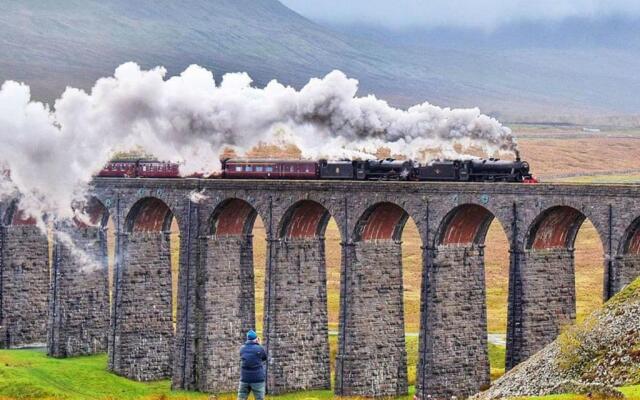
<point>291,168</point>
<point>238,168</point>
<point>337,170</point>
<point>306,169</point>
<point>269,169</point>
<point>258,168</point>
<point>249,168</point>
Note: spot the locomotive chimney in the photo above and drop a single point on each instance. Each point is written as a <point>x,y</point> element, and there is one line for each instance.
<point>518,155</point>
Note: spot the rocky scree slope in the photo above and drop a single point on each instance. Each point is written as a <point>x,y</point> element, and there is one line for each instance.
<point>591,358</point>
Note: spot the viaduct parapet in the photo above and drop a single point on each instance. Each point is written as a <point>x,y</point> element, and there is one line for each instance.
<point>216,281</point>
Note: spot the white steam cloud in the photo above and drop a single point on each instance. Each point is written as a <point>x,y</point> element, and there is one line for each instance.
<point>53,153</point>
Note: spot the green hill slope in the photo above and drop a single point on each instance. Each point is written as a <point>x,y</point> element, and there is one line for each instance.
<point>603,351</point>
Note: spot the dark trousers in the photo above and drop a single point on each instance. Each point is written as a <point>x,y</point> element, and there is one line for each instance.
<point>245,388</point>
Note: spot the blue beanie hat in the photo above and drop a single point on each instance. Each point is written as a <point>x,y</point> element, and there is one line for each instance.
<point>251,335</point>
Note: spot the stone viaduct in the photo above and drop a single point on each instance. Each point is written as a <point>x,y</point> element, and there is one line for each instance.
<point>216,291</point>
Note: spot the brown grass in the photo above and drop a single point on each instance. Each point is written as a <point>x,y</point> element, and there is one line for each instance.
<point>552,157</point>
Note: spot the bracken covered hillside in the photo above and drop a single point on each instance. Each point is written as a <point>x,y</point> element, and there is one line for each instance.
<point>601,353</point>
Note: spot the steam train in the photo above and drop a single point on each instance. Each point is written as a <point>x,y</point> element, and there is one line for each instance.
<point>473,170</point>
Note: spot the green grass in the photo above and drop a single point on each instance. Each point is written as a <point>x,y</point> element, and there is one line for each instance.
<point>30,374</point>
<point>26,374</point>
<point>630,392</point>
<point>496,360</point>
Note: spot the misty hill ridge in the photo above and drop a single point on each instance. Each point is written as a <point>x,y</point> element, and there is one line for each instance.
<point>51,45</point>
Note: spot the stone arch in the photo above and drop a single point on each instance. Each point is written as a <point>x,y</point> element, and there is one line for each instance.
<point>144,274</point>
<point>625,268</point>
<point>92,213</point>
<point>455,295</point>
<point>15,216</point>
<point>372,300</point>
<point>232,217</point>
<point>465,225</point>
<point>554,228</point>
<point>631,239</point>
<point>226,291</point>
<point>543,294</point>
<point>304,219</point>
<point>381,221</point>
<point>297,269</point>
<point>79,293</point>
<point>149,214</point>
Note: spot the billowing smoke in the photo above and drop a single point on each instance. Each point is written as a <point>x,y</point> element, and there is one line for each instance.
<point>53,153</point>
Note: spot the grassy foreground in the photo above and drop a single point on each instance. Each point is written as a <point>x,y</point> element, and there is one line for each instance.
<point>29,374</point>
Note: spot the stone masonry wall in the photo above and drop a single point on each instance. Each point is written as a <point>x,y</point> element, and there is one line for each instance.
<point>297,326</point>
<point>455,360</point>
<point>372,358</point>
<point>626,269</point>
<point>611,209</point>
<point>143,343</point>
<point>79,295</point>
<point>226,310</point>
<point>546,302</point>
<point>24,285</point>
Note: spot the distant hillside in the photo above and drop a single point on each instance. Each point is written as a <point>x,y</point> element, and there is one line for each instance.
<point>51,45</point>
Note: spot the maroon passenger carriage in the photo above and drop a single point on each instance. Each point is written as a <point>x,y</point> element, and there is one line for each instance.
<point>158,169</point>
<point>119,169</point>
<point>140,168</point>
<point>269,169</point>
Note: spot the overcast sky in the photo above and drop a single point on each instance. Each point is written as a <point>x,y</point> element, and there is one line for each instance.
<point>485,14</point>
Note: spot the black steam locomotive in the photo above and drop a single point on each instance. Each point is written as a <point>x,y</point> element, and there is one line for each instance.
<point>473,170</point>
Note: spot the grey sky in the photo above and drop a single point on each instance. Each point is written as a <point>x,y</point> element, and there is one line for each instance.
<point>486,14</point>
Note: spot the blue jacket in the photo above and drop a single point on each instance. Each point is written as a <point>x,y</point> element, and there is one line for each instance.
<point>253,357</point>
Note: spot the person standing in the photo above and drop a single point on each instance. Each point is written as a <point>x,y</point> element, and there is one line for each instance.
<point>252,374</point>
